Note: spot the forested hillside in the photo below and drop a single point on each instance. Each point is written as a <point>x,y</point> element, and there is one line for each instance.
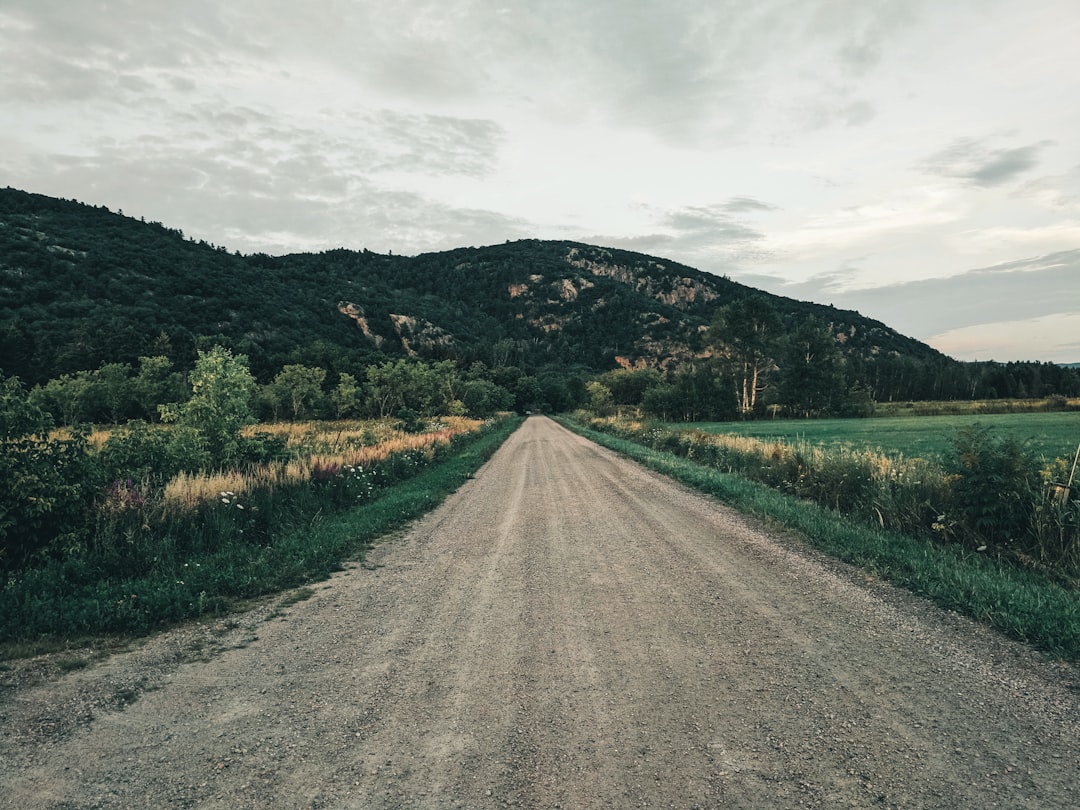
<point>81,286</point>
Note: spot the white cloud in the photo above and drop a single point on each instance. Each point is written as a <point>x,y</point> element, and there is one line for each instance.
<point>1012,242</point>
<point>1050,338</point>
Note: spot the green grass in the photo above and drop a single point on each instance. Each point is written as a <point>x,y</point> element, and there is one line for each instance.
<point>1051,435</point>
<point>1020,603</point>
<point>68,600</point>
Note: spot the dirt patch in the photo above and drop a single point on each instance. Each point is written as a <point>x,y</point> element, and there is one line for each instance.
<point>568,630</point>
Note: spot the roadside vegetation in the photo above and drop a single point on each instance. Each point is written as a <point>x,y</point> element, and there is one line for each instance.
<point>988,530</point>
<point>126,529</point>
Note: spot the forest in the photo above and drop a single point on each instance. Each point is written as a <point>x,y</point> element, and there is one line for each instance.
<point>102,316</point>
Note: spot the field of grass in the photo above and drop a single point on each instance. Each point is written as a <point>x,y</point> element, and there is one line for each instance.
<point>1049,435</point>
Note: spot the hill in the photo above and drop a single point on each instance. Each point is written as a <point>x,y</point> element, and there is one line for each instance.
<point>81,286</point>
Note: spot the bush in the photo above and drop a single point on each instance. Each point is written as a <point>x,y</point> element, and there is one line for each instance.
<point>995,488</point>
<point>47,484</point>
<point>144,452</point>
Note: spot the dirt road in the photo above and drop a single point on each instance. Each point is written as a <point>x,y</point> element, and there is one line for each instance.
<point>568,631</point>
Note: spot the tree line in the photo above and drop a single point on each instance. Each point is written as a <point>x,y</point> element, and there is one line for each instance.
<point>755,364</point>
<point>155,388</point>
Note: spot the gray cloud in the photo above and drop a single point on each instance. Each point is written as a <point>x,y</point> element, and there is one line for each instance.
<point>1017,290</point>
<point>685,70</point>
<point>744,205</point>
<point>706,237</point>
<point>970,159</point>
<point>437,144</point>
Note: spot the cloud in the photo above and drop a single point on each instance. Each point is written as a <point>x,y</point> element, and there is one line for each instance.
<point>971,160</point>
<point>707,237</point>
<point>1055,192</point>
<point>434,144</point>
<point>1012,291</point>
<point>1051,338</point>
<point>745,205</point>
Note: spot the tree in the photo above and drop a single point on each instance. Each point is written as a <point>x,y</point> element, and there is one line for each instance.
<point>695,393</point>
<point>299,387</point>
<point>398,384</point>
<point>600,399</point>
<point>346,396</point>
<point>116,392</point>
<point>746,335</point>
<point>70,398</point>
<point>482,398</point>
<point>156,384</point>
<point>46,484</point>
<point>628,386</point>
<point>811,371</point>
<point>222,389</point>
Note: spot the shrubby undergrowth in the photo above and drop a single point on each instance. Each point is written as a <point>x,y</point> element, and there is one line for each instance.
<point>991,495</point>
<point>139,528</point>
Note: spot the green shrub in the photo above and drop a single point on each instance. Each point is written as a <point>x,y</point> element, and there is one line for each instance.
<point>995,489</point>
<point>47,484</point>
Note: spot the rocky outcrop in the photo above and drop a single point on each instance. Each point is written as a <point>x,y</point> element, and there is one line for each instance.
<point>419,336</point>
<point>674,291</point>
<point>356,312</point>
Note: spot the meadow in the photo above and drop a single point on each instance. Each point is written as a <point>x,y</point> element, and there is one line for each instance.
<point>1048,435</point>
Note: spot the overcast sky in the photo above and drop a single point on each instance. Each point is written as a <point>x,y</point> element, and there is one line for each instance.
<point>916,161</point>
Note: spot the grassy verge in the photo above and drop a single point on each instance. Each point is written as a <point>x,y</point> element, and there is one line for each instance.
<point>71,599</point>
<point>1020,603</point>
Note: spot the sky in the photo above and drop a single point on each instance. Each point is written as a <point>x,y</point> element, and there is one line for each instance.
<point>915,160</point>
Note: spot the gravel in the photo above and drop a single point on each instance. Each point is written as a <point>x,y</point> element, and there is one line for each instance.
<point>567,630</point>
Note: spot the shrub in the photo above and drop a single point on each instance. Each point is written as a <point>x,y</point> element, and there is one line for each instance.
<point>47,485</point>
<point>995,488</point>
<point>141,451</point>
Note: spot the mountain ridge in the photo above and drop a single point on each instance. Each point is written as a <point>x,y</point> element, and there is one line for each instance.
<point>81,285</point>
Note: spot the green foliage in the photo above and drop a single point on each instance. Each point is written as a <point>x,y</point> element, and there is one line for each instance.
<point>46,484</point>
<point>601,400</point>
<point>628,386</point>
<point>990,495</point>
<point>143,452</point>
<point>88,287</point>
<point>483,398</point>
<point>811,371</point>
<point>346,397</point>
<point>410,384</point>
<point>156,384</point>
<point>1049,435</point>
<point>220,404</point>
<point>299,388</point>
<point>133,581</point>
<point>747,334</point>
<point>995,489</point>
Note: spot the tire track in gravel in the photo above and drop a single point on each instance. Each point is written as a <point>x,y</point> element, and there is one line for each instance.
<point>568,630</point>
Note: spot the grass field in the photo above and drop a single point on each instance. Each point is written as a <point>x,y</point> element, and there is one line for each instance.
<point>1051,435</point>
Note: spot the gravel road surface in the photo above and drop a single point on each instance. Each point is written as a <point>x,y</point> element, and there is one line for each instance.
<point>566,631</point>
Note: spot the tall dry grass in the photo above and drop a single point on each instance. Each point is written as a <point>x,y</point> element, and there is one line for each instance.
<point>322,450</point>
